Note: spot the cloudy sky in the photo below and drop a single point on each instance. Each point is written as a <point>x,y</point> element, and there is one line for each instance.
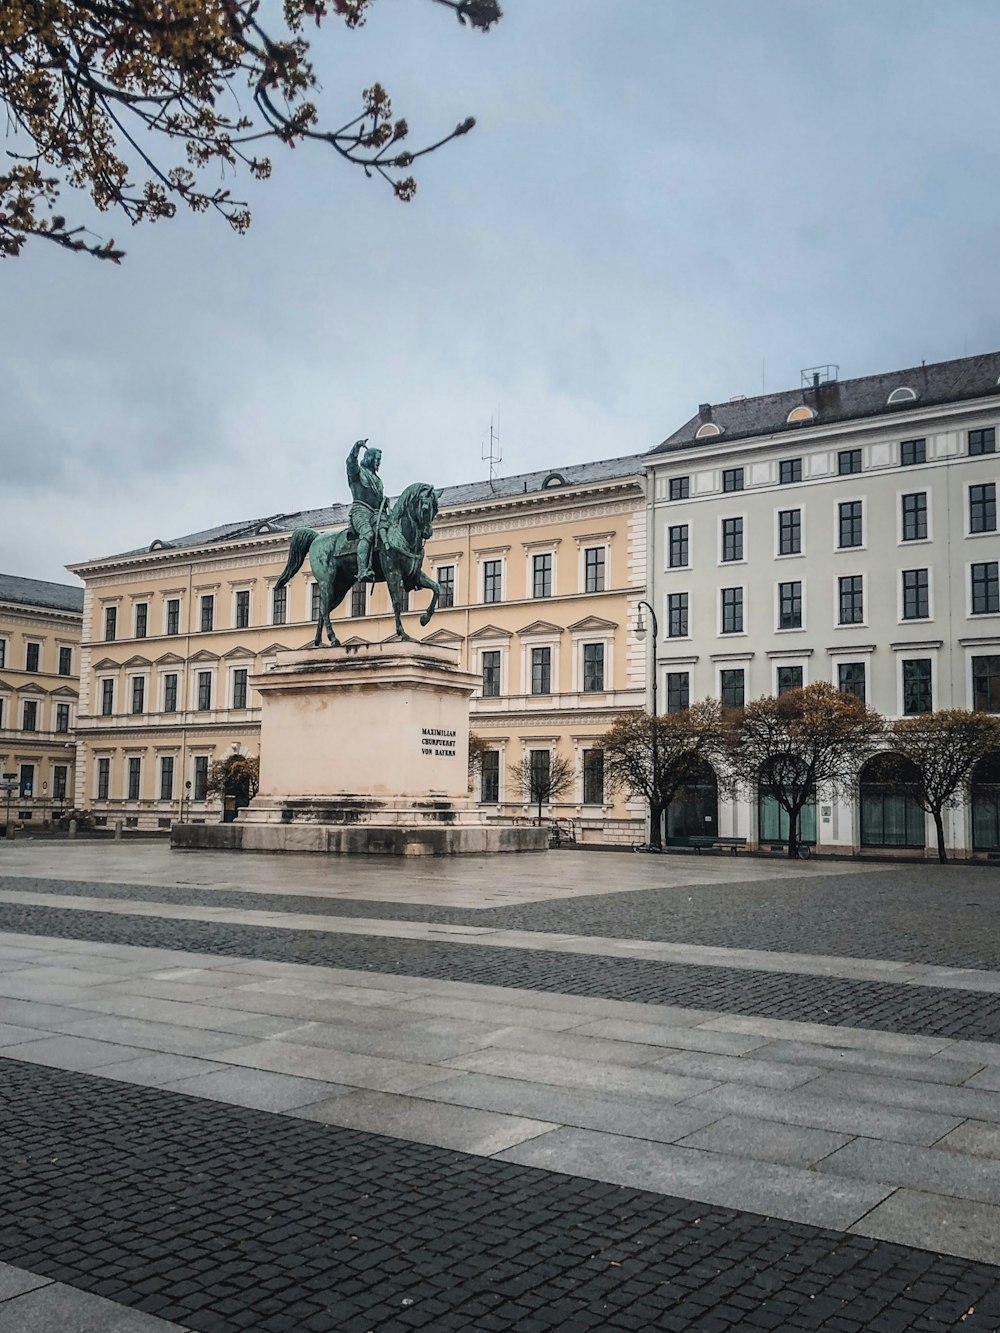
<point>663,203</point>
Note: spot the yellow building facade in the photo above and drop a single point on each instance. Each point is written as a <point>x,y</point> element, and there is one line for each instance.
<point>541,576</point>
<point>40,627</point>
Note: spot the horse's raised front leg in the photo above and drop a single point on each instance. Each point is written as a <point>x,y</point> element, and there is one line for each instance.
<point>425,581</point>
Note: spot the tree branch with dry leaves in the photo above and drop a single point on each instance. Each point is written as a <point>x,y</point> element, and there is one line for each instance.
<point>139,103</point>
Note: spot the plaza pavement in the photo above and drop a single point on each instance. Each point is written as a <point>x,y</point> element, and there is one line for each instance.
<point>874,1134</point>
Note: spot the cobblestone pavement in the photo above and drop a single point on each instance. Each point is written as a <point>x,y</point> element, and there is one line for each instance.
<point>222,1218</point>
<point>966,1015</point>
<point>921,913</point>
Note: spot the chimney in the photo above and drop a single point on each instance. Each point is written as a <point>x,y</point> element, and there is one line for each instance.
<point>705,411</point>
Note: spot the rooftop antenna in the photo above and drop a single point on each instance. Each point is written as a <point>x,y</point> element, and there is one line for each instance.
<point>491,451</point>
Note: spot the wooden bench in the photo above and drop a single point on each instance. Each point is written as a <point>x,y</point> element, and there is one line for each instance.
<point>707,844</point>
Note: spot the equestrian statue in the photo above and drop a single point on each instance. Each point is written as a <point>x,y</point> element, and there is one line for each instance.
<point>379,545</point>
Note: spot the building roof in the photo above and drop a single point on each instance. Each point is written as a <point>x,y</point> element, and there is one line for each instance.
<point>942,382</point>
<point>36,592</point>
<point>473,492</point>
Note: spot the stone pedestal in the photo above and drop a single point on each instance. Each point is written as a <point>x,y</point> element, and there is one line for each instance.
<point>365,749</point>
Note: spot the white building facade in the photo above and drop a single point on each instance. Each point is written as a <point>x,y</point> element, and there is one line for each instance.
<point>847,532</point>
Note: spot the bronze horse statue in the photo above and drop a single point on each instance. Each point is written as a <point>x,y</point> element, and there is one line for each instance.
<point>402,534</point>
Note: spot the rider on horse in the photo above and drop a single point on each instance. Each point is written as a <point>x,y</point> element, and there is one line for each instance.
<point>369,502</point>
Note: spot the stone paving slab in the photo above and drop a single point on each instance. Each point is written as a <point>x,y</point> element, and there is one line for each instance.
<point>465,1129</point>
<point>976,1137</point>
<point>967,1103</point>
<point>56,1306</point>
<point>929,1069</point>
<point>77,1053</point>
<point>673,1036</point>
<point>709,1177</point>
<point>253,1087</point>
<point>17,1281</point>
<point>767,1141</point>
<point>159,1070</point>
<point>927,1169</point>
<point>360,1071</point>
<point>932,1222</point>
<point>569,1073</point>
<point>751,1068</point>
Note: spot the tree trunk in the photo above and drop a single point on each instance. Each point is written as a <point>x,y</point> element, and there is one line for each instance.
<point>793,833</point>
<point>655,822</point>
<point>539,808</point>
<point>939,828</point>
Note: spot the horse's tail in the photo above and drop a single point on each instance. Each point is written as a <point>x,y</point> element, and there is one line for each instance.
<point>302,539</point>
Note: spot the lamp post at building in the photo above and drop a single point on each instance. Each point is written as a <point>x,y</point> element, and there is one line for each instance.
<point>655,837</point>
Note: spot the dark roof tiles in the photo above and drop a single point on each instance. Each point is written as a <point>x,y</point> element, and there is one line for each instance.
<point>36,592</point>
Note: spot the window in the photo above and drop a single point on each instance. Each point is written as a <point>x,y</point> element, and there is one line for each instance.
<point>29,715</point>
<point>915,517</point>
<point>789,471</point>
<point>207,612</point>
<point>541,671</point>
<point>110,623</point>
<point>732,539</point>
<point>851,599</point>
<point>789,678</point>
<point>138,694</point>
<point>446,582</point>
<point>204,691</point>
<point>31,655</point>
<point>314,601</point>
<point>790,605</point>
<point>983,508</point>
<point>243,608</point>
<point>103,778</point>
<point>593,668</point>
<point>141,619</point>
<point>3,652</point>
<point>200,777</point>
<point>916,599</point>
<point>62,717</point>
<point>850,523</point>
<point>983,441</point>
<point>170,693</point>
<point>2,701</point>
<point>489,786</point>
<point>173,615</point>
<point>848,461</point>
<point>986,684</point>
<point>279,606</point>
<point>359,600</point>
<point>677,615</point>
<point>985,589</point>
<point>65,661</point>
<point>240,687</point>
<point>732,688</point>
<point>59,776</point>
<point>912,452</point>
<point>541,575</point>
<point>134,777</point>
<point>594,559</point>
<point>678,691</point>
<point>678,545</point>
<point>851,679</point>
<point>680,488</point>
<point>27,779</point>
<point>107,697</point>
<point>491,673</point>
<point>917,686</point>
<point>790,532</point>
<point>167,777</point>
<point>492,580</point>
<point>593,777</point>
<point>540,766</point>
<point>732,479</point>
<point>732,610</point>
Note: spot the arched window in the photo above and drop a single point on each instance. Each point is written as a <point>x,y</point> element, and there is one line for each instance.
<point>694,811</point>
<point>903,395</point>
<point>890,813</point>
<point>986,803</point>
<point>553,479</point>
<point>709,428</point>
<point>772,818</point>
<point>159,545</point>
<point>798,414</point>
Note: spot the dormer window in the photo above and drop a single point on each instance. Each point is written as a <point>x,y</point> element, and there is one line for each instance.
<point>903,395</point>
<point>553,479</point>
<point>800,414</point>
<point>709,429</point>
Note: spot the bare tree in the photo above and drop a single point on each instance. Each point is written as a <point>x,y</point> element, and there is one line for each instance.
<point>100,92</point>
<point>541,776</point>
<point>803,742</point>
<point>237,775</point>
<point>656,758</point>
<point>477,748</point>
<point>945,747</point>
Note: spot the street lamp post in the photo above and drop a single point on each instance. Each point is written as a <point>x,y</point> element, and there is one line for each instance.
<point>640,629</point>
